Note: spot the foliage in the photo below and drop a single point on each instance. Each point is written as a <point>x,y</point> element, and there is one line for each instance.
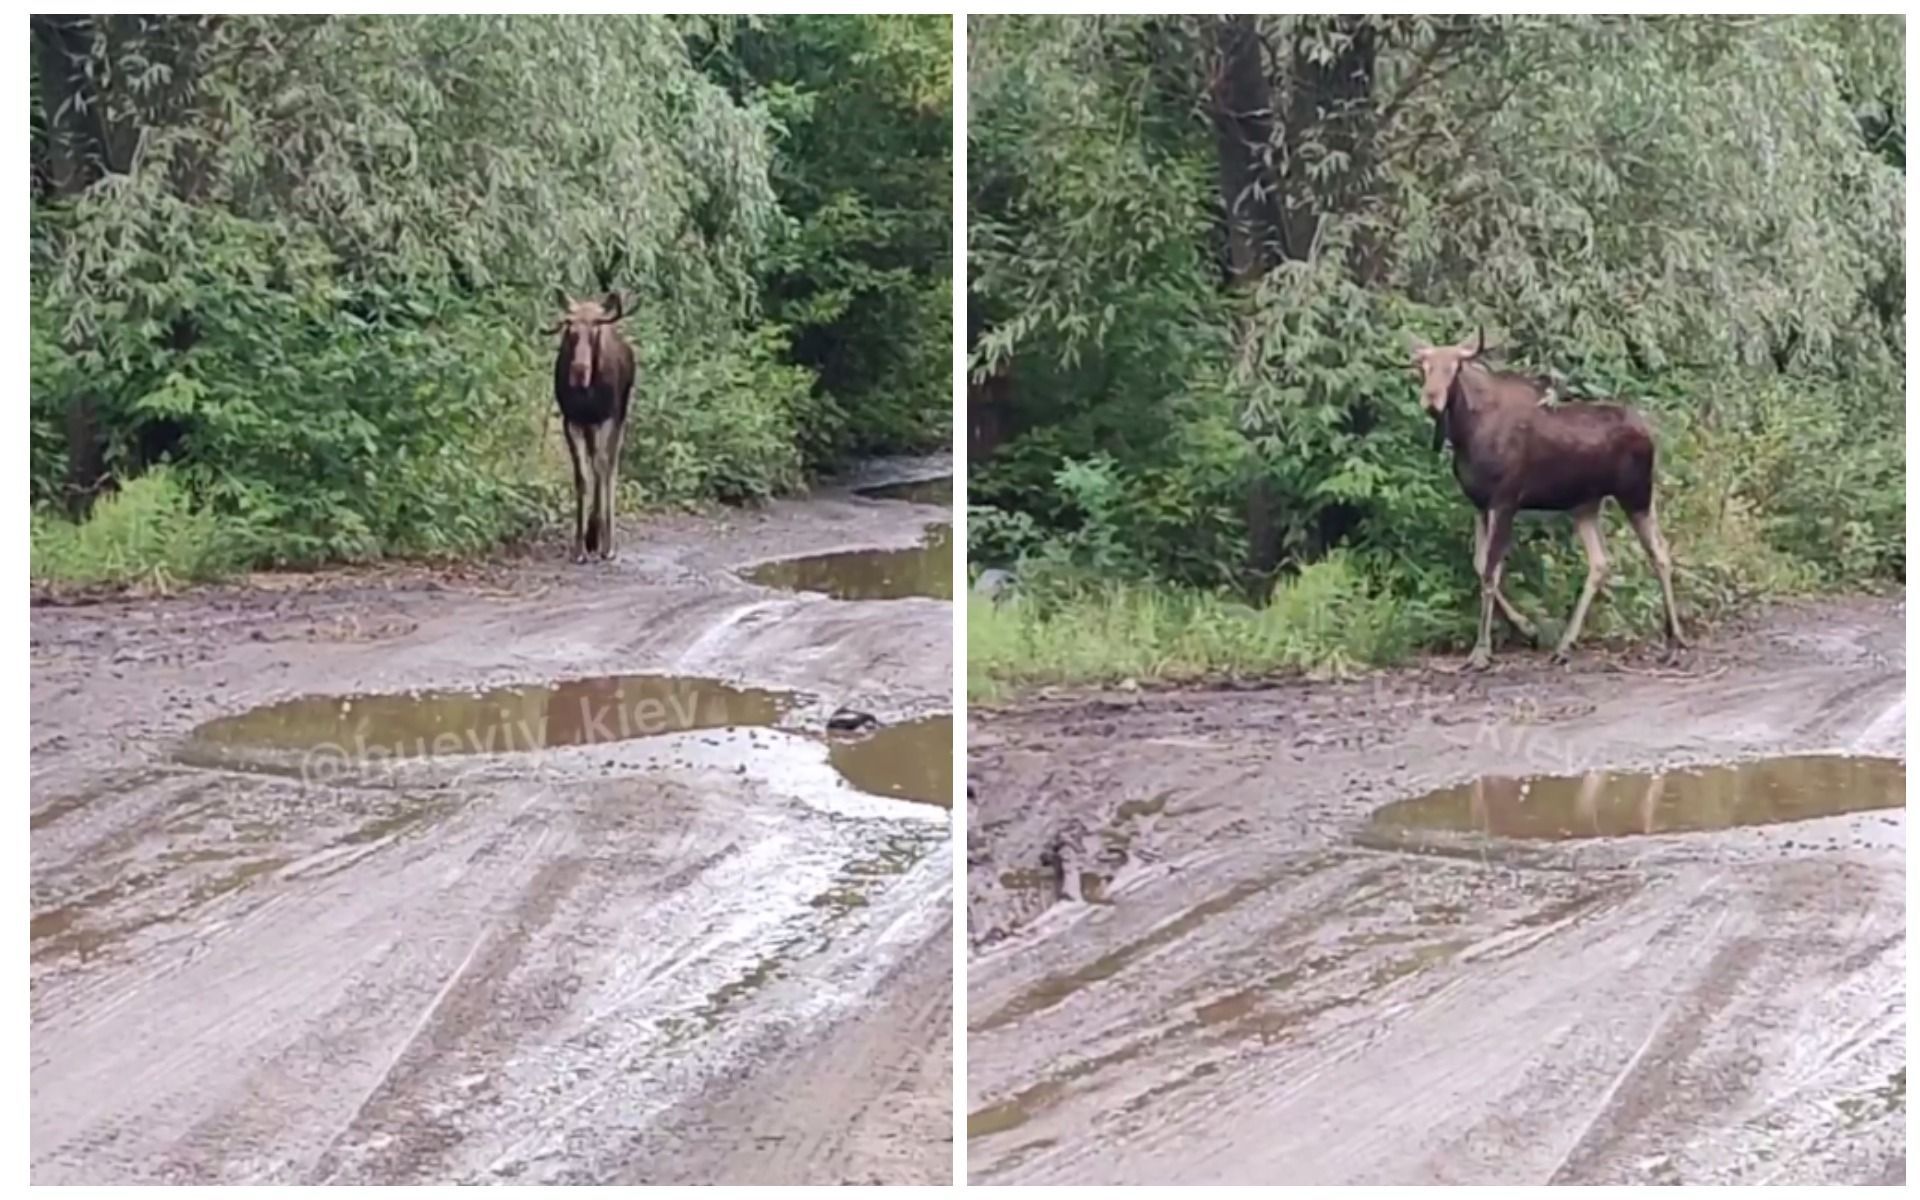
<point>149,536</point>
<point>347,435</point>
<point>725,427</point>
<point>1210,386</point>
<point>1329,618</point>
<point>304,260</point>
<point>863,109</point>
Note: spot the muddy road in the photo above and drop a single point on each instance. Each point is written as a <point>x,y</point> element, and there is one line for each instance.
<point>562,878</point>
<point>1279,935</point>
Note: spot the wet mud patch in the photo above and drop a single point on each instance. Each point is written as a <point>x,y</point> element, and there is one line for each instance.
<point>1612,804</point>
<point>937,492</point>
<point>909,761</point>
<point>922,570</point>
<point>330,733</point>
<point>219,840</point>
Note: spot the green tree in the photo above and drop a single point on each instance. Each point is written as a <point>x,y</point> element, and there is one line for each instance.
<point>1198,245</point>
<point>864,168</point>
<point>305,260</point>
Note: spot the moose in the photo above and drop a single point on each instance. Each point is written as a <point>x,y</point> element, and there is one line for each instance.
<point>592,381</point>
<point>1513,452</point>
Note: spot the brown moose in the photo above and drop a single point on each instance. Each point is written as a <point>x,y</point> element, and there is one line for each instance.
<point>1513,452</point>
<point>592,381</point>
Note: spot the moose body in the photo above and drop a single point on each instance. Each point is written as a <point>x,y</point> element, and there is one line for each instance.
<point>1514,453</point>
<point>592,383</point>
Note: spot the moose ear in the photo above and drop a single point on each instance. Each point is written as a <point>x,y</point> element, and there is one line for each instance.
<point>1473,349</point>
<point>561,298</point>
<point>614,306</point>
<point>1419,346</point>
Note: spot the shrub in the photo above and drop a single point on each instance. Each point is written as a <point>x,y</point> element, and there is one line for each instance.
<point>149,535</point>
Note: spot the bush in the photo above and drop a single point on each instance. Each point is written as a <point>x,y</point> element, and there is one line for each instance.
<point>1329,618</point>
<point>313,293</point>
<point>149,535</point>
<point>721,422</point>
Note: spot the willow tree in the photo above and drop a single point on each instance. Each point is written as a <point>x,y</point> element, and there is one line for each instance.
<point>1195,225</point>
<point>307,255</point>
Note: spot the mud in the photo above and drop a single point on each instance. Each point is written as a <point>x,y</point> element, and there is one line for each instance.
<point>697,953</point>
<point>1268,934</point>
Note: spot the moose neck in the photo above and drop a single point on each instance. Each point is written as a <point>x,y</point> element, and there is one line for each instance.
<point>1472,398</point>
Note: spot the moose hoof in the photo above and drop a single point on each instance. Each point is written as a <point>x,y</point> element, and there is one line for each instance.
<point>1479,660</point>
<point>1560,657</point>
<point>579,556</point>
<point>608,556</point>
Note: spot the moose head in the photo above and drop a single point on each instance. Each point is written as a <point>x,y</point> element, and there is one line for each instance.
<point>1438,366</point>
<point>583,327</point>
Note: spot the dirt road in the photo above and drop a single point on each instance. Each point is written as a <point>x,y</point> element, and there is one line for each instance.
<point>695,955</point>
<point>1258,976</point>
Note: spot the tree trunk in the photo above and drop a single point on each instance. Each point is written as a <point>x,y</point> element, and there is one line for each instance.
<point>1242,110</point>
<point>1241,105</point>
<point>1331,104</point>
<point>989,417</point>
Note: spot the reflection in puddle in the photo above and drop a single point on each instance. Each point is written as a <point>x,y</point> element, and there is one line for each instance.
<point>923,570</point>
<point>1621,804</point>
<point>910,761</point>
<point>938,492</point>
<point>386,728</point>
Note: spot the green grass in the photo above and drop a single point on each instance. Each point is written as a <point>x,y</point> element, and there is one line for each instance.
<point>1332,617</point>
<point>1326,619</point>
<point>147,536</point>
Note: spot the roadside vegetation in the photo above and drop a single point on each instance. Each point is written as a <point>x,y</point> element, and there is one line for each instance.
<point>288,273</point>
<point>1200,245</point>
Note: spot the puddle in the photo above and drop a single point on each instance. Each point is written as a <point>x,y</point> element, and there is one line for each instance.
<point>923,570</point>
<point>386,728</point>
<point>909,761</point>
<point>937,492</point>
<point>1602,804</point>
<point>344,739</point>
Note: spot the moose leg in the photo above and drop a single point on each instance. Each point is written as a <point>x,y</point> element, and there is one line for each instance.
<point>594,486</point>
<point>579,494</point>
<point>1647,529</point>
<point>1499,537</point>
<point>1586,521</point>
<point>616,438</point>
<point>1499,596</point>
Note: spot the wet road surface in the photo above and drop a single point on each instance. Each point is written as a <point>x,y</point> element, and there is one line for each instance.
<point>361,879</point>
<point>1282,935</point>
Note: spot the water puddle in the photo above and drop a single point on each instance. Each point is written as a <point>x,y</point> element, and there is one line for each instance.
<point>1601,804</point>
<point>937,492</point>
<point>909,761</point>
<point>335,739</point>
<point>380,729</point>
<point>923,570</point>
